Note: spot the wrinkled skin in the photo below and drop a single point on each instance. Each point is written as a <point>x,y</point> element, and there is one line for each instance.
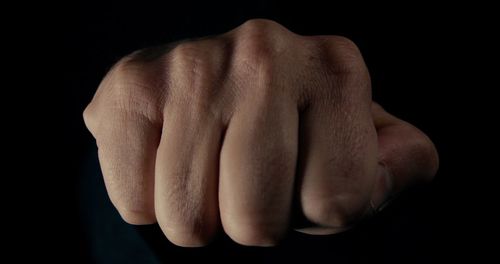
<point>223,133</point>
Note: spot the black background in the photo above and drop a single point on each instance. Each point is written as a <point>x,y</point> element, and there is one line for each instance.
<point>419,57</point>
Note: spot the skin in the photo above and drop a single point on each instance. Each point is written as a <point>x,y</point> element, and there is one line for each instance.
<point>224,133</point>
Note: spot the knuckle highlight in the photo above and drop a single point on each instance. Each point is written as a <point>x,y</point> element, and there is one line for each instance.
<point>260,40</point>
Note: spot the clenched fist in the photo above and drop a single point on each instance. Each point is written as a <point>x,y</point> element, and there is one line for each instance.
<point>225,132</point>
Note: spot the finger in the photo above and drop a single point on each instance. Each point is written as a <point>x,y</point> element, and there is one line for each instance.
<point>407,155</point>
<point>337,152</point>
<point>186,183</point>
<point>337,166</point>
<point>127,128</point>
<point>127,145</point>
<point>188,156</point>
<point>186,177</point>
<point>187,165</point>
<point>257,171</point>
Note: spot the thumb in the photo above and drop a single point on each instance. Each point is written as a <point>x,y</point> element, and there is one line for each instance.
<point>406,156</point>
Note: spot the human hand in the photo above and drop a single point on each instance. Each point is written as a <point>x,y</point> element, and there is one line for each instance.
<point>225,131</point>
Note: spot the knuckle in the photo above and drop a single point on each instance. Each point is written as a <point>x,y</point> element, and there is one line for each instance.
<point>261,46</point>
<point>194,74</point>
<point>259,41</point>
<point>260,26</point>
<point>343,55</point>
<point>128,86</point>
<point>125,89</point>
<point>89,118</point>
<point>345,44</point>
<point>186,53</point>
<point>339,70</point>
<point>255,65</point>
